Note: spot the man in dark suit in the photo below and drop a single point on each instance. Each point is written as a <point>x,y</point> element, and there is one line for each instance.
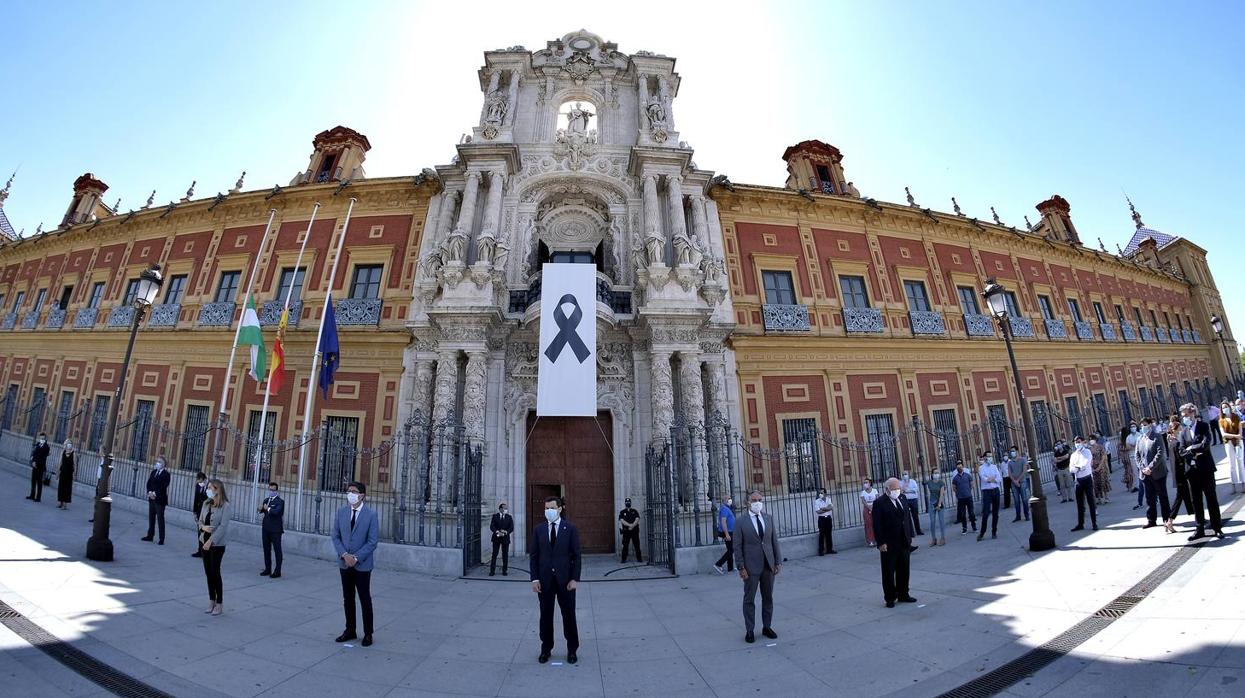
<point>892,529</point>
<point>759,561</point>
<point>629,527</point>
<point>157,499</point>
<point>356,531</point>
<point>38,466</point>
<point>200,498</point>
<point>502,527</point>
<point>1194,447</point>
<point>554,561</point>
<point>271,528</point>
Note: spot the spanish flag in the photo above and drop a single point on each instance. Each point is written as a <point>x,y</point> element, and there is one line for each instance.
<point>276,371</point>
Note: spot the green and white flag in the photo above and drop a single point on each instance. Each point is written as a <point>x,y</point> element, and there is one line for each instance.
<point>250,334</point>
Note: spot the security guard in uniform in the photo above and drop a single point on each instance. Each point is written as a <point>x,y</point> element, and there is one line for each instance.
<point>629,526</point>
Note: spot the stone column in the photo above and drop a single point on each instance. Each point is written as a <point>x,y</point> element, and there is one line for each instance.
<point>421,389</point>
<point>493,79</point>
<point>445,390</point>
<point>445,216</point>
<point>700,222</point>
<point>662,395</point>
<point>511,106</point>
<point>652,215</point>
<point>693,405</point>
<point>642,94</point>
<point>663,90</point>
<point>467,214</point>
<point>492,213</point>
<point>678,220</point>
<point>475,386</point>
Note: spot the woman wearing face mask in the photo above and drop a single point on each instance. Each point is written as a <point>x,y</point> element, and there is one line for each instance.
<point>64,479</point>
<point>213,537</point>
<point>1102,476</point>
<point>1230,429</point>
<point>868,496</point>
<point>1127,448</point>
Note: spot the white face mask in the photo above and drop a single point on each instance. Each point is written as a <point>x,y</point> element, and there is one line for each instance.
<point>756,507</point>
<point>42,441</point>
<point>551,515</point>
<point>352,497</point>
<point>211,493</point>
<point>893,494</point>
<point>159,465</point>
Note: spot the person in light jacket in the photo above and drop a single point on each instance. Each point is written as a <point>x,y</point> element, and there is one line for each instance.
<point>356,530</point>
<point>213,537</point>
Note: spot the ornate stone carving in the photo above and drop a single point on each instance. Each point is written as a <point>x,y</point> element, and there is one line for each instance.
<point>662,394</point>
<point>455,248</point>
<point>446,385</point>
<point>486,244</point>
<point>926,322</point>
<point>863,320</point>
<point>474,386</point>
<point>682,250</point>
<point>675,335</point>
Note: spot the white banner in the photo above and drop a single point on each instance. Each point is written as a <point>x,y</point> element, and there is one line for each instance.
<point>566,385</point>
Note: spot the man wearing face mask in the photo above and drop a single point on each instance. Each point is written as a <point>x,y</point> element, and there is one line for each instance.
<point>759,561</point>
<point>823,509</point>
<point>1194,447</point>
<point>725,524</point>
<point>1082,468</point>
<point>38,466</point>
<point>554,561</point>
<point>911,490</point>
<point>962,481</point>
<point>356,530</point>
<point>157,499</point>
<point>629,527</point>
<point>1151,460</point>
<point>502,527</point>
<point>991,480</point>
<point>271,530</point>
<point>1018,469</point>
<point>1063,478</point>
<point>892,527</point>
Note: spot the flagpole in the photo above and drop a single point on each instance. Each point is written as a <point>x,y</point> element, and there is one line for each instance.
<point>315,362</point>
<point>233,352</point>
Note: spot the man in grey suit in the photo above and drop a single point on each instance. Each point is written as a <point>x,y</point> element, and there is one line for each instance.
<point>758,560</point>
<point>356,529</point>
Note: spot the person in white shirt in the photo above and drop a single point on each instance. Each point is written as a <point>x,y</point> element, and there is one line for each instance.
<point>868,495</point>
<point>991,479</point>
<point>1082,468</point>
<point>823,509</point>
<point>911,490</point>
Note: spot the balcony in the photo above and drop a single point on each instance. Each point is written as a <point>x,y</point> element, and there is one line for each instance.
<point>978,325</point>
<point>216,314</point>
<point>1188,337</point>
<point>86,318</point>
<point>1108,332</point>
<point>165,315</point>
<point>120,317</point>
<point>1055,329</point>
<point>1162,334</point>
<point>31,319</point>
<point>270,313</point>
<point>785,318</point>
<point>1084,331</point>
<point>1130,335</point>
<point>358,312</point>
<point>56,319</point>
<point>927,322</point>
<point>863,320</point>
<point>1147,334</point>
<point>1176,337</point>
<point>1022,327</point>
<point>10,321</point>
<point>618,301</point>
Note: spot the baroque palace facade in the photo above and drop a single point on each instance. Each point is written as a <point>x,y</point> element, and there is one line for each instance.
<point>772,310</point>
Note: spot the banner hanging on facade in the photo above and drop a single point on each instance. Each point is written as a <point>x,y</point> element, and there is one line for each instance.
<point>566,385</point>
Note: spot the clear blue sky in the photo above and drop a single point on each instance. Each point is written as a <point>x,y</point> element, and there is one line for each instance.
<point>996,103</point>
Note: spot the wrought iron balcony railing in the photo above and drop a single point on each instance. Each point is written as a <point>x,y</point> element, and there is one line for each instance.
<point>927,322</point>
<point>1108,332</point>
<point>1055,329</point>
<point>56,319</point>
<point>270,313</point>
<point>1130,334</point>
<point>10,321</point>
<point>120,316</point>
<point>1084,331</point>
<point>978,325</point>
<point>31,319</point>
<point>863,320</point>
<point>216,314</point>
<point>1147,334</point>
<point>1022,327</point>
<point>86,318</point>
<point>358,311</point>
<point>165,315</point>
<point>1162,335</point>
<point>785,318</point>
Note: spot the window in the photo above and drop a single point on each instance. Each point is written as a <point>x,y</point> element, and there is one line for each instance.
<point>853,288</point>
<point>66,294</point>
<point>779,288</point>
<point>1074,306</point>
<point>880,432</point>
<point>968,300</point>
<point>62,417</point>
<point>999,436</point>
<point>1137,312</point>
<point>801,453</point>
<point>825,180</point>
<point>1154,319</point>
<point>565,257</point>
<point>1167,320</point>
<point>197,418</point>
<point>18,300</point>
<point>918,300</point>
<point>34,418</point>
<point>131,292</point>
<point>1103,417</point>
<point>946,438</point>
<point>99,422</point>
<point>1013,308</point>
<point>1179,324</point>
<point>1119,312</point>
<point>1042,425</point>
<point>366,282</point>
<point>1146,408</point>
<point>227,289</point>
<point>1074,417</point>
<point>294,278</point>
<point>141,430</point>
<point>97,294</point>
<point>340,451</point>
<point>1126,406</point>
<point>255,441</point>
<point>1102,317</point>
<point>325,172</point>
<point>1047,311</point>
<point>39,298</point>
<point>177,289</point>
<point>10,408</point>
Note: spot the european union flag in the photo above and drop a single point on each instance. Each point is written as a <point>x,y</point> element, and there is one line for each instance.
<point>328,349</point>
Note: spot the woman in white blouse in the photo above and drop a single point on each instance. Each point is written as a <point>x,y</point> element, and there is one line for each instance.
<point>867,496</point>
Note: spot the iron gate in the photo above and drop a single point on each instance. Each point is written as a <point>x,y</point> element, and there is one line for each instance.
<point>473,466</point>
<point>659,514</point>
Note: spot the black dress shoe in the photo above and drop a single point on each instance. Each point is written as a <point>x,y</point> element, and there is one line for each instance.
<point>504,573</point>
<point>367,641</point>
<point>907,599</point>
<point>912,548</point>
<point>346,636</point>
<point>1150,525</point>
<point>1198,534</point>
<point>572,658</point>
<point>890,604</point>
<point>1078,528</point>
<point>276,575</point>
<point>544,657</point>
<point>1015,519</point>
<point>1219,534</point>
<point>492,574</point>
<point>750,637</point>
<point>196,554</point>
<point>160,543</point>
<point>147,539</point>
<point>834,552</point>
<point>769,632</point>
<point>265,573</point>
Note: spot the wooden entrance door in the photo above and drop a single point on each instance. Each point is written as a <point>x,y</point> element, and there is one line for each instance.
<point>571,457</point>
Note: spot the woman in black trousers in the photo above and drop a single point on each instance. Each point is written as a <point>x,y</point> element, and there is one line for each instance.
<point>213,537</point>
<point>64,479</point>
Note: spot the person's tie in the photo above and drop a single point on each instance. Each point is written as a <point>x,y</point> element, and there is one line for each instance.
<point>553,535</point>
<point>353,514</point>
<point>760,527</point>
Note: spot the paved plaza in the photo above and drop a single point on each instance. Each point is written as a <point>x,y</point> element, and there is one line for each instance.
<point>981,605</point>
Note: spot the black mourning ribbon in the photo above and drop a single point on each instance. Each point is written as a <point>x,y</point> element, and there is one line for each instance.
<point>566,331</point>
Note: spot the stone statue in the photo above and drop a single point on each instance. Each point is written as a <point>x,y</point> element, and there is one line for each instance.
<point>655,247</point>
<point>682,250</point>
<point>656,113</point>
<point>432,263</point>
<point>911,200</point>
<point>955,205</point>
<point>501,255</point>
<point>995,214</point>
<point>497,107</point>
<point>577,120</point>
<point>485,246</point>
<point>456,246</point>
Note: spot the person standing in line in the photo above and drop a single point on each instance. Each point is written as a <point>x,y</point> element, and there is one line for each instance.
<point>823,509</point>
<point>1230,431</point>
<point>1006,488</point>
<point>271,529</point>
<point>1063,479</point>
<point>911,497</point>
<point>935,490</point>
<point>38,466</point>
<point>502,528</point>
<point>1127,446</point>
<point>157,499</point>
<point>64,479</point>
<point>629,527</point>
<point>962,481</point>
<point>200,498</point>
<point>1082,468</point>
<point>1212,415</point>
<point>725,524</point>
<point>1199,470</point>
<point>1018,469</point>
<point>991,480</point>
<point>213,537</point>
<point>758,558</point>
<point>1151,459</point>
<point>868,496</point>
<point>1102,476</point>
<point>1135,464</point>
<point>356,531</point>
<point>1179,476</point>
<point>554,561</point>
<point>892,527</point>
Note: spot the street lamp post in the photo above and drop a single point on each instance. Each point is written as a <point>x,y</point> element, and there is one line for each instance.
<point>99,546</point>
<point>1042,538</point>
<point>1216,324</point>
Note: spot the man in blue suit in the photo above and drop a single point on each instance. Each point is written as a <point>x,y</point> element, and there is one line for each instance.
<point>554,565</point>
<point>356,529</point>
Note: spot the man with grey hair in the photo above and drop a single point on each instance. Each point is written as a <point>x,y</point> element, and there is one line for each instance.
<point>758,560</point>
<point>1194,448</point>
<point>893,531</point>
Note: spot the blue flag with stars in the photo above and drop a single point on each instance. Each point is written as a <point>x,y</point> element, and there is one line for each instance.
<point>328,349</point>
